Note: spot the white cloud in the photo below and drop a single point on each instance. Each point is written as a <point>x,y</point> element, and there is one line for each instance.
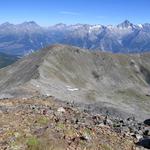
<point>69,13</point>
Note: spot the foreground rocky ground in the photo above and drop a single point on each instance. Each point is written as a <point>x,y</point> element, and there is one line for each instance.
<point>44,123</point>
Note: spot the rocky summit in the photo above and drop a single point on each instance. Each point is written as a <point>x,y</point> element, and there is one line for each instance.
<point>44,123</point>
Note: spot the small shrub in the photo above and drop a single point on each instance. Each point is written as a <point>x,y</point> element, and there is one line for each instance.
<point>33,143</point>
<point>43,120</point>
<point>95,75</point>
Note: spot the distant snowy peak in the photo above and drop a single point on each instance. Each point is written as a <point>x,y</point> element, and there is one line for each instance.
<point>140,25</point>
<point>58,26</point>
<point>95,27</point>
<point>110,27</point>
<point>29,23</point>
<point>30,26</point>
<point>6,24</point>
<point>125,25</point>
<point>24,24</point>
<point>79,26</point>
<point>7,28</point>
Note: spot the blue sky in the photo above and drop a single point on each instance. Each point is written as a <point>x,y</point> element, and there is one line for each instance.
<point>48,12</point>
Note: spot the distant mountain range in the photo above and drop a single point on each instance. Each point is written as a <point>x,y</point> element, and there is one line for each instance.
<point>22,39</point>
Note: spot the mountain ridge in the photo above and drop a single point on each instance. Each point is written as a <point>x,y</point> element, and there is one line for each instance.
<point>115,81</point>
<point>26,37</point>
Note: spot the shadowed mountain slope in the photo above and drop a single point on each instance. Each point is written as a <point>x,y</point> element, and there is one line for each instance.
<point>6,60</point>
